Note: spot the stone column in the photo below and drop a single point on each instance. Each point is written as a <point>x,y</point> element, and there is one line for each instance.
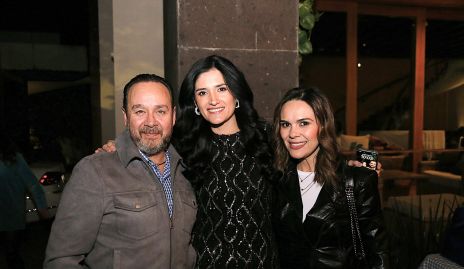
<point>130,42</point>
<point>260,37</point>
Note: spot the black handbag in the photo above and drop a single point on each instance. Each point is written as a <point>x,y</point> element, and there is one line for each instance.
<point>358,247</point>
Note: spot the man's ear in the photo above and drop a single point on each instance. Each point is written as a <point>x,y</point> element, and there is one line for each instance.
<point>174,116</point>
<point>125,116</point>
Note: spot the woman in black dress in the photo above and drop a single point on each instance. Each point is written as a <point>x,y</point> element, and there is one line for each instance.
<point>224,145</point>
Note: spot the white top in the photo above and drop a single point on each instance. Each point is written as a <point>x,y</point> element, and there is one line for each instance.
<point>310,190</point>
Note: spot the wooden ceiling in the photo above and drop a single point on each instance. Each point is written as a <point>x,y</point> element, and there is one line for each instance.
<point>385,27</point>
<point>437,9</point>
<point>416,3</point>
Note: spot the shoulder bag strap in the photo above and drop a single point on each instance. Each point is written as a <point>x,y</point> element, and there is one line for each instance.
<point>355,231</point>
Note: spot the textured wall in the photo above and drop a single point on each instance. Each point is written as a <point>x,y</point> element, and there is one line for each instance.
<point>260,37</point>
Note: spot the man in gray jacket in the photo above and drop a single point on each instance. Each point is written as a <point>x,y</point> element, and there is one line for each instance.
<point>131,208</point>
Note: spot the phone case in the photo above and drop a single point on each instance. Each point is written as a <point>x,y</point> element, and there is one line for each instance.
<point>368,158</point>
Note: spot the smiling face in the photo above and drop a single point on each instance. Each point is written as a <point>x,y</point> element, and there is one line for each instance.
<point>150,116</point>
<point>299,129</point>
<point>216,102</point>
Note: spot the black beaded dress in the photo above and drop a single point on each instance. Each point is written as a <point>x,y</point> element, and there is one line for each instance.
<point>233,227</point>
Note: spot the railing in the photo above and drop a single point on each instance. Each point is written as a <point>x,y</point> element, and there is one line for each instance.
<point>401,102</point>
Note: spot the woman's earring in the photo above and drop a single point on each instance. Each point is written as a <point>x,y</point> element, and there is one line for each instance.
<point>237,103</point>
<point>197,111</point>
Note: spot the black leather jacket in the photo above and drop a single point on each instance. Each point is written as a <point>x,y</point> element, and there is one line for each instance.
<point>324,240</point>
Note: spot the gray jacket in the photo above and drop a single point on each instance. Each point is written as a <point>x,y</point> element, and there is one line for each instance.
<point>113,214</point>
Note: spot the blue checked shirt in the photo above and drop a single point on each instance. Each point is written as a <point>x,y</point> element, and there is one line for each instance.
<point>164,178</point>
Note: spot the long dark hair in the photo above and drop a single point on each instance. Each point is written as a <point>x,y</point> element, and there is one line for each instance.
<point>192,133</point>
<point>328,156</point>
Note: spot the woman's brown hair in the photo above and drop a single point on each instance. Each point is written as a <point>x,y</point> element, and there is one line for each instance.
<point>327,157</point>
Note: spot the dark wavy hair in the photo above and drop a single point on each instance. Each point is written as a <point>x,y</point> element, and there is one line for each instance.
<point>192,133</point>
<point>145,78</point>
<point>327,158</point>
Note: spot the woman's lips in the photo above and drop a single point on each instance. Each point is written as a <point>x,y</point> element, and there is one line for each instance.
<point>296,145</point>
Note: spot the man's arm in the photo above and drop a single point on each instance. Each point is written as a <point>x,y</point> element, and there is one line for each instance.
<point>78,218</point>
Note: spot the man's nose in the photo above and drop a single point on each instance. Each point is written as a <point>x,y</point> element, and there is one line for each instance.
<point>152,119</point>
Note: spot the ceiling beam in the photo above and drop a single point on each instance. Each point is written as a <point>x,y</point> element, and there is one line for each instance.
<point>435,9</point>
<point>418,3</point>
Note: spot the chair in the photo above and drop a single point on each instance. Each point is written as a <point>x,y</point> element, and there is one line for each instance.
<point>351,142</point>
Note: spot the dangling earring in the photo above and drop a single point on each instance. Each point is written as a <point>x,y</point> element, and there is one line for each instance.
<point>197,111</point>
<point>237,103</point>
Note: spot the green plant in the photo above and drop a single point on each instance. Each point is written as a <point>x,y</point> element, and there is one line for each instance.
<point>307,17</point>
<point>412,235</point>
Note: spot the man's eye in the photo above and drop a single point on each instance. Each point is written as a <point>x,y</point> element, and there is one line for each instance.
<point>161,112</point>
<point>139,112</point>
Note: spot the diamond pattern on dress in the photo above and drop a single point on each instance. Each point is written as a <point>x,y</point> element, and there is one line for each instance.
<point>233,227</point>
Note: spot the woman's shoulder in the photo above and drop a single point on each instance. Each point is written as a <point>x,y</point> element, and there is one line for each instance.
<point>284,177</point>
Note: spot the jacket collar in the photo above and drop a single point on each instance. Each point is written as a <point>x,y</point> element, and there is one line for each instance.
<point>128,151</point>
<point>328,193</point>
<point>126,148</point>
<point>292,190</point>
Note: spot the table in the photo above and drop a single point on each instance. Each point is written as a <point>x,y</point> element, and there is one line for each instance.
<point>394,174</point>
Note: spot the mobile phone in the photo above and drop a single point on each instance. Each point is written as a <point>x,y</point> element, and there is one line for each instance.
<point>368,158</point>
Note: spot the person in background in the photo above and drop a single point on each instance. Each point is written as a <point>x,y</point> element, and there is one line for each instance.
<point>312,219</point>
<point>16,180</point>
<point>131,208</point>
<point>225,146</point>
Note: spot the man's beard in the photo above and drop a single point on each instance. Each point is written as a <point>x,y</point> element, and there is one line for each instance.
<point>148,146</point>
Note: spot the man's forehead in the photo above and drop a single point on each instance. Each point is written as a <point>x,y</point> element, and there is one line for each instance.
<point>147,90</point>
<point>150,85</point>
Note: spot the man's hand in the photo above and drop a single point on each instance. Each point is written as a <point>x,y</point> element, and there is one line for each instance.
<point>110,146</point>
<point>359,164</point>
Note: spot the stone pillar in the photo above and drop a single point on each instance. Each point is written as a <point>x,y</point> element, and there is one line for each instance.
<point>260,37</point>
<point>130,42</point>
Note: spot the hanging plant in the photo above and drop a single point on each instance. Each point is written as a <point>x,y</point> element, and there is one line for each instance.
<point>307,17</point>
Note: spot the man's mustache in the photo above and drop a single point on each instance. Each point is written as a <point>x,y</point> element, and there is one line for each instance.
<point>151,130</point>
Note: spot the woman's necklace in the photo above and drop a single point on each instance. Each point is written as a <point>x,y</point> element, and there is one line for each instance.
<point>303,179</point>
<point>306,186</point>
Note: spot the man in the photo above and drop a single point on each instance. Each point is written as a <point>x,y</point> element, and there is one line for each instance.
<point>131,208</point>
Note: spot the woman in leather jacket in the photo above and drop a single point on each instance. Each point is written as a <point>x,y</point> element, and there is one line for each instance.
<point>312,219</point>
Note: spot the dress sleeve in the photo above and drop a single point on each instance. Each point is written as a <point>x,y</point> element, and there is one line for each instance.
<point>75,228</point>
<point>371,219</point>
<point>31,182</point>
